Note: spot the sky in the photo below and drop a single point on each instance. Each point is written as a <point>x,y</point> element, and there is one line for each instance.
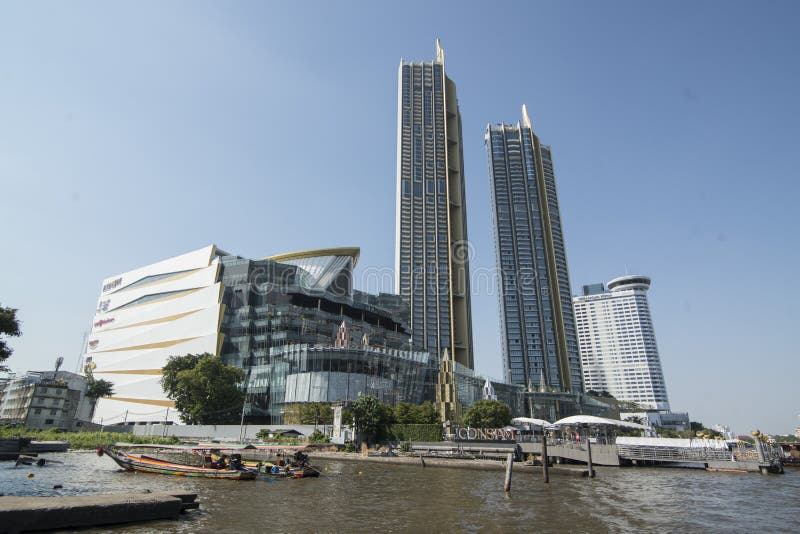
<point>130,133</point>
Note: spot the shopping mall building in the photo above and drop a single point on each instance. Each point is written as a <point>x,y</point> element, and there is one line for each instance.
<point>293,322</point>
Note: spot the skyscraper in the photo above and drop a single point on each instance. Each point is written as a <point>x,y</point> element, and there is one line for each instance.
<point>431,263</point>
<point>540,348</point>
<point>618,344</point>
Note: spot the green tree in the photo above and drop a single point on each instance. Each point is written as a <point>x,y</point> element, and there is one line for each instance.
<point>9,326</point>
<point>204,389</point>
<point>639,420</point>
<point>318,437</point>
<point>315,413</point>
<point>427,414</point>
<point>406,413</point>
<point>97,389</point>
<point>487,414</point>
<point>370,417</point>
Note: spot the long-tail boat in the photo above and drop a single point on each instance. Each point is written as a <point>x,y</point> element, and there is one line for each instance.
<point>147,464</point>
<point>297,467</point>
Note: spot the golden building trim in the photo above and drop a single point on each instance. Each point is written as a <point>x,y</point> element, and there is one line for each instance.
<point>353,252</point>
<point>152,402</point>
<point>153,321</point>
<point>130,372</point>
<point>159,345</point>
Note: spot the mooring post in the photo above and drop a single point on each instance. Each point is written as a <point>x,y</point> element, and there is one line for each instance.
<point>545,461</point>
<point>509,467</point>
<point>422,460</point>
<point>589,450</point>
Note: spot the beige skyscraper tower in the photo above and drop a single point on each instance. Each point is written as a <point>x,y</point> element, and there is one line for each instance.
<point>431,261</point>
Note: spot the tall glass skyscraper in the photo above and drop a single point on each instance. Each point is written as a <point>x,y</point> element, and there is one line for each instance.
<point>540,347</point>
<point>432,263</point>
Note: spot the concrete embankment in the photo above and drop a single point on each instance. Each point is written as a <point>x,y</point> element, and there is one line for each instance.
<point>453,463</point>
<point>22,514</point>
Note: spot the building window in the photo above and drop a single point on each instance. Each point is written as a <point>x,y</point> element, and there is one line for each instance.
<point>37,411</point>
<point>48,421</point>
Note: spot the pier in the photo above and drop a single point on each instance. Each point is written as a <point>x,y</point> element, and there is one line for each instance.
<point>22,514</point>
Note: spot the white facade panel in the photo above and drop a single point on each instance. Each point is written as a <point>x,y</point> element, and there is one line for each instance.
<point>196,300</point>
<point>129,345</point>
<point>192,260</point>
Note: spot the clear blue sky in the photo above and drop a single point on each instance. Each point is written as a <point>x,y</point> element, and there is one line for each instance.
<point>131,133</point>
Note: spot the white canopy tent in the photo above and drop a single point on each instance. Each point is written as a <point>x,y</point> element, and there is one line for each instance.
<point>530,422</point>
<point>591,420</point>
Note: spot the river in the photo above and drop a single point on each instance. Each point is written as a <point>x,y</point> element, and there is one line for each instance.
<point>365,497</point>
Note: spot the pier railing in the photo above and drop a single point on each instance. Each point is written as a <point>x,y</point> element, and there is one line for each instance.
<point>672,454</point>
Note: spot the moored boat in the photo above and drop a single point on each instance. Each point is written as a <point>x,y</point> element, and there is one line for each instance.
<point>147,464</point>
<point>298,467</point>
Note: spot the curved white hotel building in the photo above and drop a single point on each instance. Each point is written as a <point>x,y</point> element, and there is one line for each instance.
<point>617,342</point>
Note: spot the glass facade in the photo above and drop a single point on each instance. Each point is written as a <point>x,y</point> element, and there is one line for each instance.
<point>432,265</point>
<point>540,348</point>
<point>273,309</point>
<point>302,334</point>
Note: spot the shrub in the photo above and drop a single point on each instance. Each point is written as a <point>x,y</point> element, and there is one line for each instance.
<point>86,440</point>
<point>318,437</point>
<point>429,432</point>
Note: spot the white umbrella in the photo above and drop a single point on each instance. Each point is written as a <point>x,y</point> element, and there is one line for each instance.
<point>529,421</point>
<point>583,420</point>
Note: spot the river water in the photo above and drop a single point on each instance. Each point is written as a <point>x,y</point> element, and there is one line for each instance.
<point>365,497</point>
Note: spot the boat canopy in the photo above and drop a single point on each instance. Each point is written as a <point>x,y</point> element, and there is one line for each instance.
<point>529,421</point>
<point>591,420</point>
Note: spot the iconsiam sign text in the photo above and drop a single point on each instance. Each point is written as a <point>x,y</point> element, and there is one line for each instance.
<point>487,434</point>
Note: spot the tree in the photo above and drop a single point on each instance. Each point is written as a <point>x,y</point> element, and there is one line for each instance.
<point>204,389</point>
<point>487,414</point>
<point>308,413</point>
<point>369,416</point>
<point>318,437</point>
<point>406,413</point>
<point>427,414</point>
<point>97,389</point>
<point>9,326</point>
<point>638,419</point>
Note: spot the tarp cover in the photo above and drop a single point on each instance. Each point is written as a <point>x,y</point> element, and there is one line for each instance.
<point>672,442</point>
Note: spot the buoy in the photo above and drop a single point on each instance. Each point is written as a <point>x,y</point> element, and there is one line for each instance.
<point>30,475</point>
<point>358,473</point>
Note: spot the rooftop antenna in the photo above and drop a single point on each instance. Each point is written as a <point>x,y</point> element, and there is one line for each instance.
<point>59,362</point>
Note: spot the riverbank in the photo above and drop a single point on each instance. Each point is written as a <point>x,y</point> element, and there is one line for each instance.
<point>441,462</point>
<point>85,440</point>
<point>352,493</point>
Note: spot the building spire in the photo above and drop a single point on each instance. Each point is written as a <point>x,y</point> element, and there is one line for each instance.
<point>525,118</point>
<point>439,52</point>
